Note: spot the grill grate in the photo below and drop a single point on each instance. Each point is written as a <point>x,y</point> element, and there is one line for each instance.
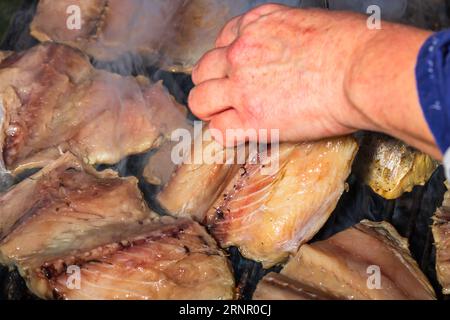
<point>411,214</point>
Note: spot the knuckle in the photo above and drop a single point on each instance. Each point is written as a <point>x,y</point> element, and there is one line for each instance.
<point>265,8</point>
<point>236,50</point>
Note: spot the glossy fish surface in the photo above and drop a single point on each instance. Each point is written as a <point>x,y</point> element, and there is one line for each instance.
<point>369,261</point>
<point>53,100</point>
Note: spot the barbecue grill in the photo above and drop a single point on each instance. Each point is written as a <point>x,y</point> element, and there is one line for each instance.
<point>410,215</point>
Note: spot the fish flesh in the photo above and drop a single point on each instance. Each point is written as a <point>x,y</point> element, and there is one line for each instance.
<point>369,261</point>
<point>65,207</point>
<point>441,232</point>
<point>174,34</point>
<point>390,167</point>
<point>268,215</point>
<point>178,261</point>
<point>106,29</point>
<point>160,166</point>
<point>195,184</point>
<point>53,101</point>
<point>70,217</point>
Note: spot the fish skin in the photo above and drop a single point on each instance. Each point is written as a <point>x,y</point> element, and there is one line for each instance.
<point>55,101</point>
<point>390,167</point>
<point>177,260</point>
<point>269,216</point>
<point>337,268</point>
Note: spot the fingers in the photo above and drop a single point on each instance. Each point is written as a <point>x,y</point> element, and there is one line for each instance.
<point>210,98</point>
<point>213,65</point>
<point>231,30</point>
<point>229,33</point>
<point>259,12</point>
<point>228,128</point>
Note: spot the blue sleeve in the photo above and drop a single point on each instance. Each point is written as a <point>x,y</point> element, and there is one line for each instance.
<point>433,83</point>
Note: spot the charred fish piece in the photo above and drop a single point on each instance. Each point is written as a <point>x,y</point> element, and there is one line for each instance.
<point>390,167</point>
<point>368,261</point>
<point>174,33</point>
<point>268,214</point>
<point>178,261</point>
<point>53,100</point>
<point>64,208</point>
<point>441,232</point>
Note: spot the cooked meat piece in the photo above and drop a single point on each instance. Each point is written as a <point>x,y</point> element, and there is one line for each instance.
<point>196,184</point>
<point>269,215</point>
<point>110,28</point>
<point>441,232</point>
<point>160,166</point>
<point>341,268</point>
<point>390,167</point>
<point>177,261</point>
<point>173,33</point>
<point>54,101</point>
<point>64,208</point>
<point>275,286</point>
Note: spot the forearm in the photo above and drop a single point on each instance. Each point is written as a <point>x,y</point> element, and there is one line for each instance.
<point>381,84</point>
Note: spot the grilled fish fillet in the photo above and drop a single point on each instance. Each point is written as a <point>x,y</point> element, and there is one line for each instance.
<point>109,28</point>
<point>196,184</point>
<point>64,208</point>
<point>340,268</point>
<point>69,216</point>
<point>160,166</point>
<point>178,261</point>
<point>441,232</point>
<point>269,215</point>
<point>53,101</point>
<point>392,168</point>
<point>173,33</point>
<point>266,214</point>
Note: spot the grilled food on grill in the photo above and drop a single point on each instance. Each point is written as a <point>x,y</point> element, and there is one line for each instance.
<point>197,25</point>
<point>54,100</point>
<point>65,207</point>
<point>173,33</point>
<point>346,266</point>
<point>179,261</point>
<point>392,168</point>
<point>70,216</point>
<point>266,214</point>
<point>441,232</point>
<point>109,28</point>
<point>195,185</point>
<point>160,166</point>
